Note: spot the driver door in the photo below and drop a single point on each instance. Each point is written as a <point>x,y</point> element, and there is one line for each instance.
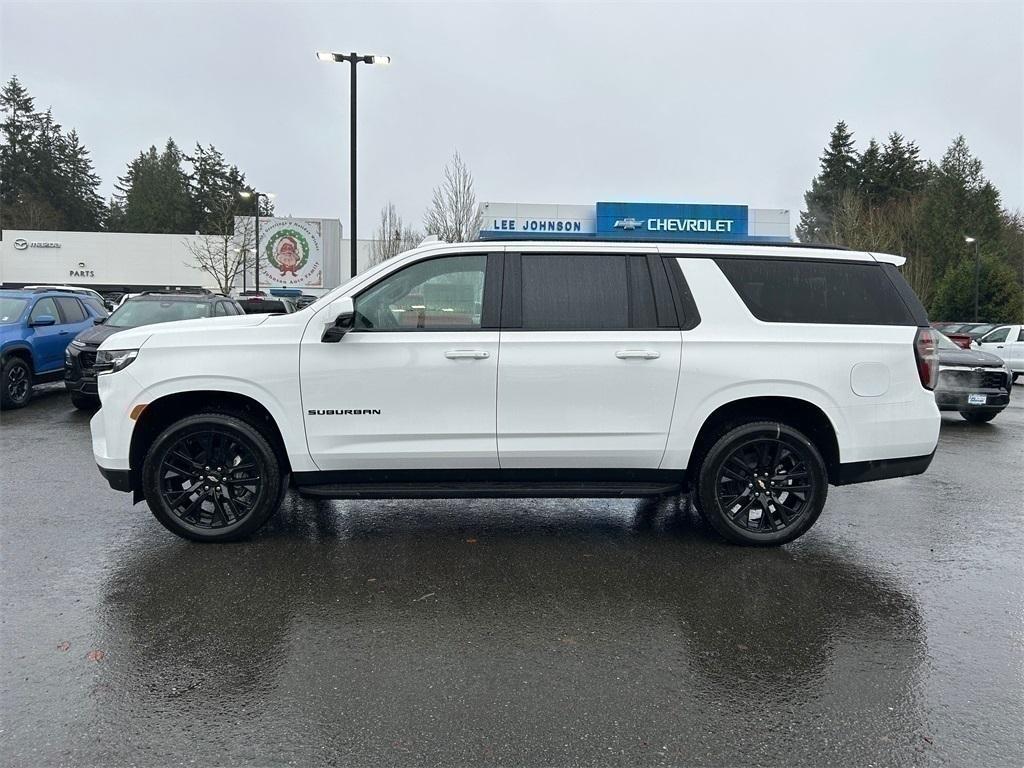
<point>413,384</point>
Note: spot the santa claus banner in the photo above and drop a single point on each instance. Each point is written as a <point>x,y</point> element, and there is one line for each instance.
<point>291,253</point>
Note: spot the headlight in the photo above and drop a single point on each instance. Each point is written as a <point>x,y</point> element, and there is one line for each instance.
<point>114,360</point>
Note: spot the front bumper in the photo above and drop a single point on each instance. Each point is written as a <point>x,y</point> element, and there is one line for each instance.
<point>957,400</point>
<point>79,375</point>
<point>119,479</point>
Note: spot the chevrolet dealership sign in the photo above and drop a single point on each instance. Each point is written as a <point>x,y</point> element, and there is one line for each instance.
<point>634,221</point>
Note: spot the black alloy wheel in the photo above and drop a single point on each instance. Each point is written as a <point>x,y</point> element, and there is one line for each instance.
<point>762,483</point>
<point>16,384</point>
<point>212,477</point>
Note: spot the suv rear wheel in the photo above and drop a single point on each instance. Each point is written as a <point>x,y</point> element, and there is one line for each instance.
<point>16,387</point>
<point>762,483</point>
<point>212,477</point>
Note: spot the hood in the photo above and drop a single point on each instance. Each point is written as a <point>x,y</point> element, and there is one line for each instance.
<point>131,338</point>
<point>969,357</point>
<point>94,336</point>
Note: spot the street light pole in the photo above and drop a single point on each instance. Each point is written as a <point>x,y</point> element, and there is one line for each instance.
<point>977,272</point>
<point>352,58</point>
<point>256,200</point>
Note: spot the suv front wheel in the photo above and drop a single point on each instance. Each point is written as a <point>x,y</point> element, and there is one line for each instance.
<point>16,386</point>
<point>212,477</point>
<point>762,483</point>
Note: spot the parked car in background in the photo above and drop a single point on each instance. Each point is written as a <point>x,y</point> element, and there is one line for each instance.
<point>975,383</point>
<point>260,305</point>
<point>1005,342</point>
<point>304,301</point>
<point>143,309</point>
<point>35,328</point>
<point>78,290</point>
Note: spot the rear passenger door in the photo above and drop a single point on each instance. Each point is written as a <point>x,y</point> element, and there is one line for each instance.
<point>589,361</point>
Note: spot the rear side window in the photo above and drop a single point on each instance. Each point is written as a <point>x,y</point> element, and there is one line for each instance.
<point>95,306</point>
<point>806,291</point>
<point>575,292</point>
<point>71,310</point>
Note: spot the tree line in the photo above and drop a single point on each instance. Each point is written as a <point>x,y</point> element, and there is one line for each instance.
<point>48,182</point>
<point>888,198</point>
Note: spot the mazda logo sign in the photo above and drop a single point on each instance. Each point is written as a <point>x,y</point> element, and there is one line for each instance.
<point>20,243</point>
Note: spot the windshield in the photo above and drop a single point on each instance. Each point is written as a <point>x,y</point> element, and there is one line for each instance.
<point>11,309</point>
<point>136,312</point>
<point>945,343</point>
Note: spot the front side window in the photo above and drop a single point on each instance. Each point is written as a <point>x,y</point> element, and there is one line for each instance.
<point>444,294</point>
<point>221,309</point>
<point>999,334</point>
<point>45,306</point>
<point>71,309</point>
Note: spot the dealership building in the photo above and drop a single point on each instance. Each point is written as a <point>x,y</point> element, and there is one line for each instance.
<point>310,254</point>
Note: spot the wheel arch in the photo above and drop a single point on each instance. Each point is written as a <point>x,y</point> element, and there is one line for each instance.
<point>165,410</point>
<point>24,351</point>
<point>801,414</point>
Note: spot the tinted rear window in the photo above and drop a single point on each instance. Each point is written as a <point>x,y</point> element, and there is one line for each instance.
<point>806,291</point>
<point>575,292</point>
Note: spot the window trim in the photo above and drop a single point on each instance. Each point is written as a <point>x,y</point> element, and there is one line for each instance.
<point>492,272</point>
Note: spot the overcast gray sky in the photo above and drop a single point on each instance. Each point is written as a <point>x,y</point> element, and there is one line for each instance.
<point>556,103</point>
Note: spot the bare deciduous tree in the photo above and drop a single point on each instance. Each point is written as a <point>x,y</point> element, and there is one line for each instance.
<point>224,252</point>
<point>392,236</point>
<point>453,215</point>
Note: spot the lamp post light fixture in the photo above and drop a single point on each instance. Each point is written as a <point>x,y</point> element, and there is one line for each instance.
<point>977,272</point>
<point>256,200</point>
<point>353,59</point>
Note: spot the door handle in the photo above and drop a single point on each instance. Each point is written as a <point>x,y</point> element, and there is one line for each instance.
<point>1000,346</point>
<point>63,333</point>
<point>639,354</point>
<point>467,354</point>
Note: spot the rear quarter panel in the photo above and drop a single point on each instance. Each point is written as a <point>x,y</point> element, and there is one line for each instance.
<point>732,355</point>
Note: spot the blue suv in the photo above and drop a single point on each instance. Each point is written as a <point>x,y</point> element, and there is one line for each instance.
<point>35,329</point>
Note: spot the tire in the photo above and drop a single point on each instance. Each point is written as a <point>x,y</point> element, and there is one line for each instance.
<point>775,457</point>
<point>221,503</point>
<point>84,402</point>
<point>979,417</point>
<point>16,384</point>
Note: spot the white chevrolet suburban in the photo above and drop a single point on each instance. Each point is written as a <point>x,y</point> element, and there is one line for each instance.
<point>750,376</point>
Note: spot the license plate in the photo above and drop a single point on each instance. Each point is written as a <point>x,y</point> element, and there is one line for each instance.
<point>977,399</point>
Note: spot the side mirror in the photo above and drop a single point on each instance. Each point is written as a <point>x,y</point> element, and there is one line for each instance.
<point>99,320</point>
<point>43,320</point>
<point>344,313</point>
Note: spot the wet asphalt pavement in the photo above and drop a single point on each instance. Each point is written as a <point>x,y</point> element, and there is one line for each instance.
<point>499,632</point>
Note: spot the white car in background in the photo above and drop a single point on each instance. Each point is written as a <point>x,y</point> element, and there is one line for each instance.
<point>1007,342</point>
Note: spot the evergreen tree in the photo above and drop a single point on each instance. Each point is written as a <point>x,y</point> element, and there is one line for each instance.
<point>19,131</point>
<point>839,174</point>
<point>870,174</point>
<point>85,208</point>
<point>903,172</point>
<point>1000,297</point>
<point>154,194</point>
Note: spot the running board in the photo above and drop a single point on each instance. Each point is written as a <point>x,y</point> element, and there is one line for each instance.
<point>492,490</point>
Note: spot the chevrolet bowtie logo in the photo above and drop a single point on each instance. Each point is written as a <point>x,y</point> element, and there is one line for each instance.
<point>629,223</point>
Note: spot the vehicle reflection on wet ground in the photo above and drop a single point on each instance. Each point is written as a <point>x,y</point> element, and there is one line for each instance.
<point>588,632</point>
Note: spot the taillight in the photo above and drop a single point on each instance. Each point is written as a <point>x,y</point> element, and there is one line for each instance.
<point>927,357</point>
